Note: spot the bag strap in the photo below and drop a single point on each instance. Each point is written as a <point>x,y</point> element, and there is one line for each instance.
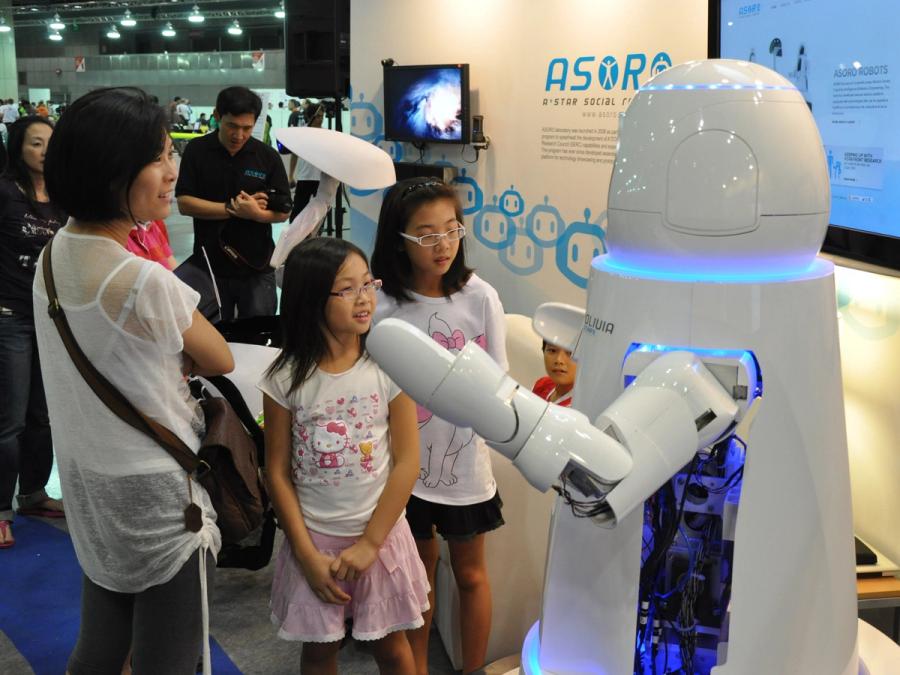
<point>118,404</point>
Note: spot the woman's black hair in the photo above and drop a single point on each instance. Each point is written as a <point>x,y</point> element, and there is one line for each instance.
<point>16,169</point>
<point>98,149</point>
<point>309,275</point>
<point>390,263</point>
<point>238,101</point>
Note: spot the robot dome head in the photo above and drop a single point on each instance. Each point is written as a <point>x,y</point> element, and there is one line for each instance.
<point>720,169</point>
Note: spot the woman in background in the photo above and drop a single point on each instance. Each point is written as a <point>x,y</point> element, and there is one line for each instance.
<point>27,221</point>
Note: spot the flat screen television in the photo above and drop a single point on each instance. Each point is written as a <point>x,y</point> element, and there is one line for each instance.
<point>427,104</point>
<point>842,58</point>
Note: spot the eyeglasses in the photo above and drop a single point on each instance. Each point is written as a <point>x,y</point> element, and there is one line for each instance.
<point>418,186</point>
<point>429,240</point>
<point>352,293</point>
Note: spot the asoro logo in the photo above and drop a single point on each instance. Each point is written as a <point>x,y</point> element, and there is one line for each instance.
<point>607,73</point>
<point>660,62</point>
<point>594,325</point>
<point>749,10</point>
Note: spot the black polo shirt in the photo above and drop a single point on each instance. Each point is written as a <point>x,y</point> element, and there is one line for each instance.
<point>209,172</point>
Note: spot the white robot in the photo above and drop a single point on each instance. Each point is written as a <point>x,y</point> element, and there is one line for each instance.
<point>704,519</point>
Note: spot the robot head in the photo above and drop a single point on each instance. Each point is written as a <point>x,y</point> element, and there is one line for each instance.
<point>720,168</point>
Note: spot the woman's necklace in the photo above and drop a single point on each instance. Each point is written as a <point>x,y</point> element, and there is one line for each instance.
<point>139,237</point>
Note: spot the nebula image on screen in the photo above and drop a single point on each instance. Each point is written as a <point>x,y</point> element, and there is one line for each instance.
<point>426,105</point>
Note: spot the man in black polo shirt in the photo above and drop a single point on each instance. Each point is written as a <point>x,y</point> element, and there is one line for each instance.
<point>235,187</point>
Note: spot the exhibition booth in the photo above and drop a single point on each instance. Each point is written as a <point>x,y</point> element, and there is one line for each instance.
<point>648,185</point>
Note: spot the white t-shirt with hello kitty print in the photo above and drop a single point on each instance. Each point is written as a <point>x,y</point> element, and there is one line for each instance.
<point>455,463</point>
<point>341,455</point>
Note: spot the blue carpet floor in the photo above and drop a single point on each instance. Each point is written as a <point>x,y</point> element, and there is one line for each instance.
<point>42,588</point>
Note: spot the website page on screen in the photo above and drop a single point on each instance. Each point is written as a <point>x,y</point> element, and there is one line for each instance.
<point>842,57</point>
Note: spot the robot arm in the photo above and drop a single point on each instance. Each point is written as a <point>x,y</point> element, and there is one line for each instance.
<point>672,409</point>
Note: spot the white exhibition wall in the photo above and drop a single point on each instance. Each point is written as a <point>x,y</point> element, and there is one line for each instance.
<point>535,202</point>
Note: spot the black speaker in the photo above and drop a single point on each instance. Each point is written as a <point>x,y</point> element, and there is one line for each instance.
<point>317,48</point>
<point>404,170</point>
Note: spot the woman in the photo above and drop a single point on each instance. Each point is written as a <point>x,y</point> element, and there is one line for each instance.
<point>27,221</point>
<point>110,165</point>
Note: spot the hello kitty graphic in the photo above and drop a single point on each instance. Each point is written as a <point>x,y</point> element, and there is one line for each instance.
<point>442,459</point>
<point>329,441</point>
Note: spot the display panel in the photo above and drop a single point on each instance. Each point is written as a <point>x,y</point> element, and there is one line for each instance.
<point>427,104</point>
<point>842,59</point>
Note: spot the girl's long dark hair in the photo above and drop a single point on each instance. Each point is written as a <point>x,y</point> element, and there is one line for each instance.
<point>389,260</point>
<point>16,169</point>
<point>309,275</point>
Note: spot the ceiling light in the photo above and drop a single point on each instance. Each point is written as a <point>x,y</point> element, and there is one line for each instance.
<point>196,16</point>
<point>235,28</point>
<point>4,27</point>
<point>127,20</point>
<point>56,24</point>
<point>167,30</point>
<point>113,33</point>
<point>279,13</point>
<point>55,36</point>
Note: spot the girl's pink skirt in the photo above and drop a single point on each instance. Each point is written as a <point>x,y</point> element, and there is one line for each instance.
<point>389,596</point>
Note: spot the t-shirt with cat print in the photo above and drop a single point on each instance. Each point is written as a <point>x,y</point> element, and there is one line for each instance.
<point>455,463</point>
<point>340,443</point>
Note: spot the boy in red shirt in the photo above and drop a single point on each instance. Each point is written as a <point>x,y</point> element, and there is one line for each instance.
<point>556,387</point>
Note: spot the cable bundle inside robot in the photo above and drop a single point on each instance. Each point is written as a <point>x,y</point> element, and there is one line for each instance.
<point>668,600</point>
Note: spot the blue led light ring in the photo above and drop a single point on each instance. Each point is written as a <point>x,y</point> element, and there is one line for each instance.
<point>531,651</point>
<point>817,268</point>
<point>717,87</point>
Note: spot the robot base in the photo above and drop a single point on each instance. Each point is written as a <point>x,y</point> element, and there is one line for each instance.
<point>878,654</point>
<point>792,576</point>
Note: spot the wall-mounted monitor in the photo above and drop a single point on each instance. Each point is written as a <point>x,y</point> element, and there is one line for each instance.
<point>842,58</point>
<point>427,104</point>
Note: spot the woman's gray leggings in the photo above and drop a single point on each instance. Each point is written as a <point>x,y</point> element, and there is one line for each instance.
<point>162,626</point>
